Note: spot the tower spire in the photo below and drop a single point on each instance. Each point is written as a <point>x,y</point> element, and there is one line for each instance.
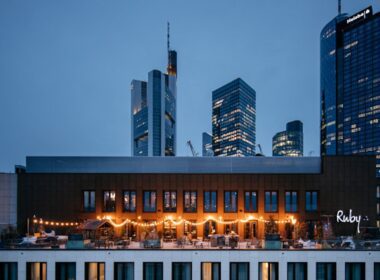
<point>168,37</point>
<point>339,7</point>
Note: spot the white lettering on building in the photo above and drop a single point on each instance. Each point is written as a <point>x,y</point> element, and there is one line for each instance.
<point>341,218</point>
<point>362,14</point>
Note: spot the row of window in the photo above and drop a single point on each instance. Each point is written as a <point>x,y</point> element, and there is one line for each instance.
<point>183,271</point>
<point>210,201</point>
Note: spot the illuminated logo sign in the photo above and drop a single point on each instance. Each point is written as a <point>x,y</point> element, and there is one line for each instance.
<point>342,218</point>
<point>361,15</point>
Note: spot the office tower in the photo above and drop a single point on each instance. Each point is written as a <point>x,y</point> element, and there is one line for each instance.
<point>234,119</point>
<point>289,143</point>
<point>207,145</point>
<point>350,85</point>
<point>154,111</point>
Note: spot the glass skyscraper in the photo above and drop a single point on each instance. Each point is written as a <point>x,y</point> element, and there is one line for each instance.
<point>154,112</point>
<point>289,143</point>
<point>234,119</point>
<point>207,145</point>
<point>350,85</point>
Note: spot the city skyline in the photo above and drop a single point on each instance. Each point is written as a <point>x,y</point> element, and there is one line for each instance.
<point>50,94</point>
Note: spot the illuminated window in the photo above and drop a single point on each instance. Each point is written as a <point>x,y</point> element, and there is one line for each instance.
<point>271,201</point>
<point>190,229</point>
<point>311,201</point>
<point>211,271</point>
<point>36,271</point>
<point>94,271</point>
<point>170,201</point>
<point>109,201</point>
<point>230,201</point>
<point>250,201</point>
<point>129,201</point>
<point>291,201</point>
<point>210,201</point>
<point>89,201</point>
<point>190,201</point>
<point>268,271</point>
<point>150,201</point>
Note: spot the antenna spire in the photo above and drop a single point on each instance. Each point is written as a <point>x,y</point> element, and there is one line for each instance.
<point>339,7</point>
<point>168,36</point>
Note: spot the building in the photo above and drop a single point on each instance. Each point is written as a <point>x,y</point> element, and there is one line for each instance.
<point>350,85</point>
<point>8,201</point>
<point>197,189</point>
<point>234,119</point>
<point>197,197</point>
<point>207,145</point>
<point>153,109</point>
<point>289,143</point>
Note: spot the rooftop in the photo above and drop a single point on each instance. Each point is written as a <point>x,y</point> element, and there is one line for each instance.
<point>175,165</point>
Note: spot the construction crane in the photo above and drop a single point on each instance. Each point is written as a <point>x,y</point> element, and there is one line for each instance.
<point>260,154</point>
<point>193,152</point>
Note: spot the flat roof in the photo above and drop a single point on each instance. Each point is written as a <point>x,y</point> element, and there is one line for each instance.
<point>175,165</point>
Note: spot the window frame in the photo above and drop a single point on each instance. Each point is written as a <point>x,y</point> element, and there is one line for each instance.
<point>104,202</point>
<point>317,204</point>
<point>83,203</point>
<point>212,275</point>
<point>250,201</point>
<point>204,204</point>
<point>171,210</point>
<point>143,201</point>
<point>291,201</point>
<point>123,201</point>
<point>237,200</point>
<point>196,202</point>
<point>271,203</point>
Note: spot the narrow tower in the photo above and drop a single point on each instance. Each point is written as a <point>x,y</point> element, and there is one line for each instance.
<point>172,57</point>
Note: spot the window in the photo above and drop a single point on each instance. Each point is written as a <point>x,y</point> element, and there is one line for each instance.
<point>271,201</point>
<point>89,201</point>
<point>228,228</point>
<point>239,271</point>
<point>170,231</point>
<point>190,229</point>
<point>109,201</point>
<point>94,271</point>
<point>129,201</point>
<point>65,271</point>
<point>297,271</point>
<point>210,201</point>
<point>181,271</point>
<point>190,201</point>
<point>153,271</point>
<point>326,271</point>
<point>291,201</point>
<point>268,271</point>
<point>230,201</point>
<point>170,201</point>
<point>250,230</point>
<point>36,271</point>
<point>311,201</point>
<point>124,271</point>
<point>355,271</point>
<point>210,271</point>
<point>8,270</point>
<point>209,228</point>
<point>250,201</point>
<point>150,201</point>
<point>376,271</point>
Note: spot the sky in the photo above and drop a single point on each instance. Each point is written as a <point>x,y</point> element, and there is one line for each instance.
<point>66,68</point>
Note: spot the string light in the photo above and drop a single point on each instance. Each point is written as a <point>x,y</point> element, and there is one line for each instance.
<point>54,223</point>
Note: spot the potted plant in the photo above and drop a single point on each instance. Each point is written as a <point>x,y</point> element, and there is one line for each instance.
<point>272,236</point>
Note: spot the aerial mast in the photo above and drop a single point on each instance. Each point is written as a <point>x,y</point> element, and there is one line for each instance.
<point>339,7</point>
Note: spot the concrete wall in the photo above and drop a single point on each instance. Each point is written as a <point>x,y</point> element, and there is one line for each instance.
<point>8,200</point>
<point>196,257</point>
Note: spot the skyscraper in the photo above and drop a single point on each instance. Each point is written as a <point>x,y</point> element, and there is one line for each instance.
<point>350,85</point>
<point>234,119</point>
<point>154,111</point>
<point>289,143</point>
<point>207,145</point>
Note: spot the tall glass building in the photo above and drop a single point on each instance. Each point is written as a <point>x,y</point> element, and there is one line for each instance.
<point>207,145</point>
<point>289,143</point>
<point>154,112</point>
<point>234,119</point>
<point>350,85</point>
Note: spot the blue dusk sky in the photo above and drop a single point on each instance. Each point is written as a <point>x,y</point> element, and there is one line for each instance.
<point>66,68</point>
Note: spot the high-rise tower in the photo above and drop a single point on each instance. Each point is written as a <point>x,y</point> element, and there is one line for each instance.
<point>289,143</point>
<point>234,119</point>
<point>154,111</point>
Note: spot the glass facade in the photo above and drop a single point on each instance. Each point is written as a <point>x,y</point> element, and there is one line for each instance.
<point>139,118</point>
<point>289,143</point>
<point>207,145</point>
<point>297,271</point>
<point>181,270</point>
<point>350,86</point>
<point>153,271</point>
<point>326,271</point>
<point>234,119</point>
<point>124,271</point>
